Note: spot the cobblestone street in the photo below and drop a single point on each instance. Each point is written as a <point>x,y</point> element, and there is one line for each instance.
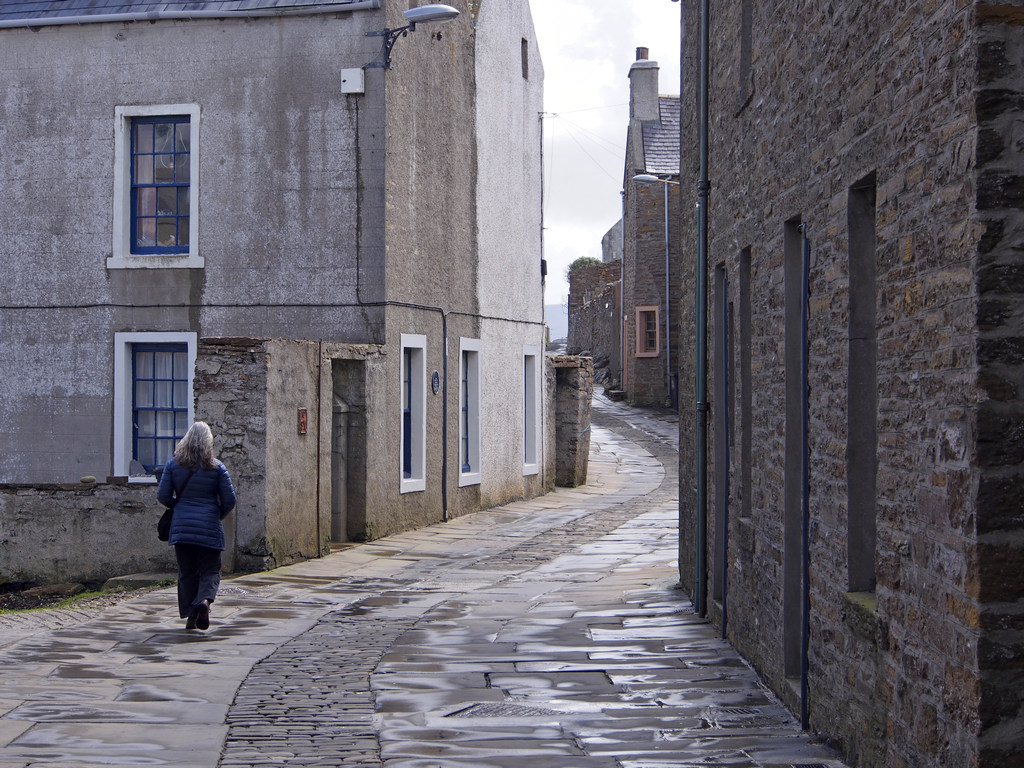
<point>547,633</point>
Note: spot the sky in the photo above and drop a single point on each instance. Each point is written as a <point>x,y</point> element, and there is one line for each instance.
<point>587,47</point>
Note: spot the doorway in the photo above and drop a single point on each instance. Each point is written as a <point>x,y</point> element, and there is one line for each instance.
<point>348,451</point>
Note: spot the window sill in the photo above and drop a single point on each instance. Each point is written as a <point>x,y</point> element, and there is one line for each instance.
<point>470,478</point>
<point>157,261</point>
<point>860,614</point>
<point>413,485</point>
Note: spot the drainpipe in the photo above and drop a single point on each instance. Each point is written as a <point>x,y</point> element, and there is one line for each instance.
<point>805,481</point>
<point>444,422</point>
<point>668,306</point>
<point>622,297</point>
<point>56,21</point>
<point>703,188</point>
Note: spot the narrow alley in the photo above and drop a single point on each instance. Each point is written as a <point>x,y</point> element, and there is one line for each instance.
<point>547,632</point>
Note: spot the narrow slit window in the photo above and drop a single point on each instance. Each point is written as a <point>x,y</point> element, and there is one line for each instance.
<point>469,412</point>
<point>414,413</point>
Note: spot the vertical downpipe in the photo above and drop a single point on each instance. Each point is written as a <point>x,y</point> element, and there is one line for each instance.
<point>723,366</point>
<point>319,436</point>
<point>703,188</point>
<point>668,305</point>
<point>805,522</point>
<point>444,422</point>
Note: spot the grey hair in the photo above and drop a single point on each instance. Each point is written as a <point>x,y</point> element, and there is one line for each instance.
<point>195,449</point>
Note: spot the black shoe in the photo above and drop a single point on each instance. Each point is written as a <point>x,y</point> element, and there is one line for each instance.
<point>190,623</point>
<point>203,616</point>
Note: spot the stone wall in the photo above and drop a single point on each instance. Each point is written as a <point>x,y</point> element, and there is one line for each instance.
<point>574,392</point>
<point>915,642</point>
<point>594,317</point>
<point>251,392</point>
<point>646,380</point>
<point>231,395</point>
<point>82,532</point>
<point>1000,421</point>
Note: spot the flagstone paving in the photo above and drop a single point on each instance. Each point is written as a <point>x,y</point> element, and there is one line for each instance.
<point>547,633</point>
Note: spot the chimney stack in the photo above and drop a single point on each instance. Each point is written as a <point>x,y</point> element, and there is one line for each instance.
<point>643,88</point>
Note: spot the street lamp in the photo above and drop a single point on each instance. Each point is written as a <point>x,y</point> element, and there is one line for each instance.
<point>650,178</point>
<point>421,15</point>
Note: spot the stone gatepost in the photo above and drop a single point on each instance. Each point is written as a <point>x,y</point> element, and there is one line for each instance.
<point>574,390</point>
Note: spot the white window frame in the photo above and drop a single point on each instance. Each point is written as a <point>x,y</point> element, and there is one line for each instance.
<point>123,391</point>
<point>469,369</point>
<point>531,407</point>
<point>417,481</point>
<point>121,256</point>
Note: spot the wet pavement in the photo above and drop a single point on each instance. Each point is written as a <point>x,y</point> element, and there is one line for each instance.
<point>547,633</point>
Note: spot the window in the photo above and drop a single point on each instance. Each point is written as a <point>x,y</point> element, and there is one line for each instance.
<point>524,53</point>
<point>648,332</point>
<point>153,399</point>
<point>160,399</point>
<point>530,404</point>
<point>160,152</point>
<point>862,389</point>
<point>469,412</point>
<point>414,412</point>
<point>156,171</point>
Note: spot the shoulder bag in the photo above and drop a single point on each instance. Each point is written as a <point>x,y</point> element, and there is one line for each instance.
<point>163,526</point>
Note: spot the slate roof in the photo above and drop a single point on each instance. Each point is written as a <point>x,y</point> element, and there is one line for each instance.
<point>661,140</point>
<point>25,10</point>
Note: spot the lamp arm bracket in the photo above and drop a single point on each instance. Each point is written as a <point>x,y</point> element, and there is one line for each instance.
<point>390,38</point>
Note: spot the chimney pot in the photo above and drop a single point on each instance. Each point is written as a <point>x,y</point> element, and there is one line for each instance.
<point>642,54</point>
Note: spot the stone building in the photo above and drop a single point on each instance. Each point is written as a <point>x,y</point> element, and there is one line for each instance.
<point>177,175</point>
<point>865,545</point>
<point>650,271</point>
<point>632,288</point>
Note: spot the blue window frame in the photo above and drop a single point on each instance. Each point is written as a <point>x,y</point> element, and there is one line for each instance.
<point>159,401</point>
<point>407,414</point>
<point>160,168</point>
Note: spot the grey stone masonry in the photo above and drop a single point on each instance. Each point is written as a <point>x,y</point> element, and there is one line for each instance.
<point>37,522</point>
<point>574,390</point>
<point>595,316</point>
<point>880,140</point>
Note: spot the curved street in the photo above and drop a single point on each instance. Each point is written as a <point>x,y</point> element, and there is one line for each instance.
<point>547,633</point>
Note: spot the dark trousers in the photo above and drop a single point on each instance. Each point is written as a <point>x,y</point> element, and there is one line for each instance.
<point>198,576</point>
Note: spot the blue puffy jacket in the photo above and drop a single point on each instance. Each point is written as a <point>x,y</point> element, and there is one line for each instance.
<point>203,503</point>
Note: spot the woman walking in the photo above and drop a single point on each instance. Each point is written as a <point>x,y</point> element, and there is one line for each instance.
<point>202,487</point>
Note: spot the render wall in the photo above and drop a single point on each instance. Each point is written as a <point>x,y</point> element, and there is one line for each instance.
<point>887,102</point>
<point>509,77</point>
<point>463,258</point>
<point>285,160</point>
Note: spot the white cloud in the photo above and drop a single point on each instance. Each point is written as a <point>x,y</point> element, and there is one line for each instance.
<point>587,49</point>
